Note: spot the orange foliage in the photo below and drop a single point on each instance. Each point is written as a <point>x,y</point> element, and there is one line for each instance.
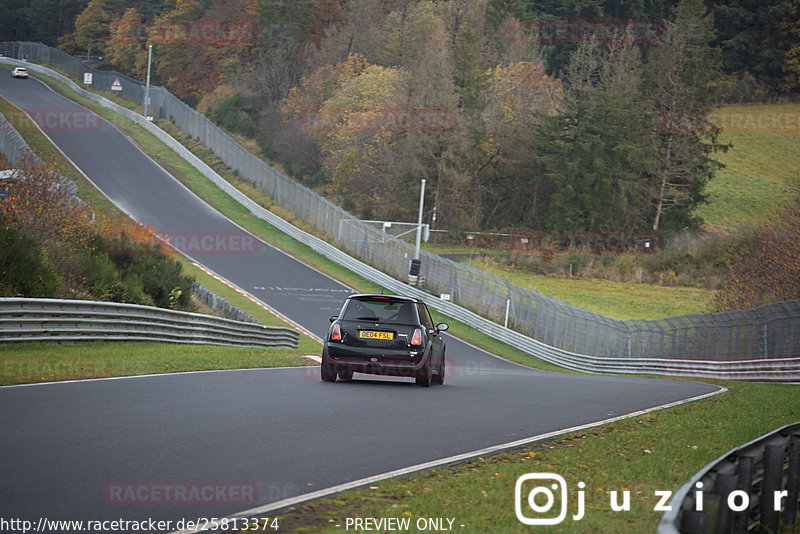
<point>321,85</point>
<point>768,269</point>
<point>40,205</point>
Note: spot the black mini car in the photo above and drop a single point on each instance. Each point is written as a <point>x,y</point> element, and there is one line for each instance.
<point>384,335</point>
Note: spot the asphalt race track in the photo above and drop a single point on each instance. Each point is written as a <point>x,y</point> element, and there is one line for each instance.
<point>265,435</point>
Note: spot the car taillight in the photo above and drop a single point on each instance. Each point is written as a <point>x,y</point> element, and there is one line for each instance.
<point>336,334</point>
<point>416,339</point>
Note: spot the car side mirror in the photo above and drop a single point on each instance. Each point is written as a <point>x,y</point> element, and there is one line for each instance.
<point>334,317</point>
<point>441,327</point>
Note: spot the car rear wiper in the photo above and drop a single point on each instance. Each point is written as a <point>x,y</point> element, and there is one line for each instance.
<point>368,318</point>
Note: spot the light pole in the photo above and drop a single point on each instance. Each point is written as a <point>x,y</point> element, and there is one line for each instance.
<point>147,86</point>
<point>419,219</point>
<point>413,272</point>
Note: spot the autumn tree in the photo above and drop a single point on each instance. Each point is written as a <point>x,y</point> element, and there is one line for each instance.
<point>195,42</point>
<point>438,149</point>
<point>90,28</point>
<point>355,138</point>
<point>405,32</point>
<point>357,29</point>
<point>125,47</point>
<point>518,96</point>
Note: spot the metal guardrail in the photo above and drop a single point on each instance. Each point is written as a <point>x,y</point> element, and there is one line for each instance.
<point>24,319</point>
<point>753,488</point>
<point>763,343</point>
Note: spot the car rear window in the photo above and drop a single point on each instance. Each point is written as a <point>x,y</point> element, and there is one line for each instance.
<point>380,310</point>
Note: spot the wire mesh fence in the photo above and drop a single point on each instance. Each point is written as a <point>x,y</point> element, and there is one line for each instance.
<point>771,331</point>
<point>14,146</point>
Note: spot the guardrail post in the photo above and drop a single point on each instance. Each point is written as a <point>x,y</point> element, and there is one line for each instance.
<point>792,483</point>
<point>693,522</point>
<point>771,483</point>
<point>741,521</point>
<point>724,486</point>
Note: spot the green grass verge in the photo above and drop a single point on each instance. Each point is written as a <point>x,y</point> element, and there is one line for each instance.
<point>762,170</point>
<point>657,451</point>
<point>620,300</point>
<point>27,362</point>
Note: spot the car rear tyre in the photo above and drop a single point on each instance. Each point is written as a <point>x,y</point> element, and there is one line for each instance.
<point>327,372</point>
<point>440,373</point>
<point>425,375</point>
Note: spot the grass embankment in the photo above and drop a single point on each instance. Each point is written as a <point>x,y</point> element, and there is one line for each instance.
<point>762,168</point>
<point>619,300</point>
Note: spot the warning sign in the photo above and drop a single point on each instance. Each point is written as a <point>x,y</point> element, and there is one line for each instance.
<point>117,85</point>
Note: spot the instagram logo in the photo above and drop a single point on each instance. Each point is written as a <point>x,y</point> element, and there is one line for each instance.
<point>536,494</point>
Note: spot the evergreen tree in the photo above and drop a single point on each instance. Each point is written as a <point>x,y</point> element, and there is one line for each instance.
<point>597,153</point>
<point>682,73</point>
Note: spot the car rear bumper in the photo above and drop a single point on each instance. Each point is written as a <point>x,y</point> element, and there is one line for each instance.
<point>391,362</point>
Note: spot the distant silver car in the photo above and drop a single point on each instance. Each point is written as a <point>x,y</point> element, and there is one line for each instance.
<point>19,72</point>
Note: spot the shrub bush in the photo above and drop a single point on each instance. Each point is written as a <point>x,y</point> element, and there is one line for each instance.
<point>24,266</point>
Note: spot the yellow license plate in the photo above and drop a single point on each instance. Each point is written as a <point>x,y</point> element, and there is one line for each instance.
<point>371,334</point>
